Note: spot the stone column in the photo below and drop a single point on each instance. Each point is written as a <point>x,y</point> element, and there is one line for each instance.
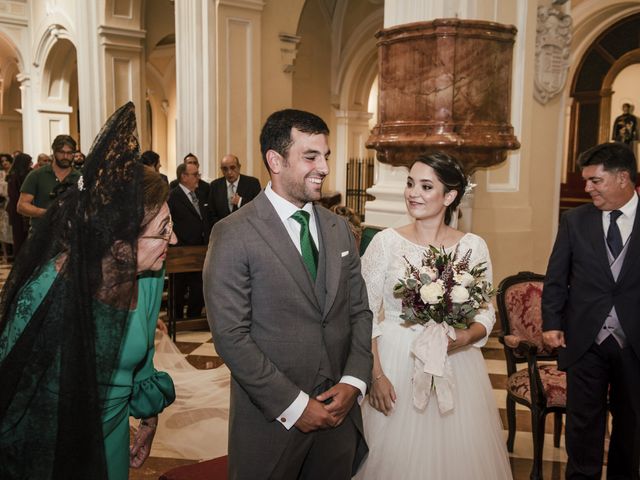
<point>352,130</point>
<point>91,80</point>
<point>196,84</point>
<point>28,112</point>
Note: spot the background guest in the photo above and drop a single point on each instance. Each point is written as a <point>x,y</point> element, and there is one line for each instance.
<point>19,224</point>
<point>231,191</point>
<point>191,225</point>
<point>203,187</point>
<point>6,237</point>
<point>43,159</point>
<point>78,160</point>
<point>43,185</point>
<point>152,159</point>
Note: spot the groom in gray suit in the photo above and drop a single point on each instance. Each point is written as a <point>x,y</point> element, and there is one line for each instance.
<point>289,315</point>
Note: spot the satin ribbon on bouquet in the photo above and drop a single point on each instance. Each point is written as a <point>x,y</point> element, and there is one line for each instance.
<point>431,367</point>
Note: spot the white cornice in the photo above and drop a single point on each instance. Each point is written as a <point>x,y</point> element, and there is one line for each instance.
<point>105,30</point>
<point>248,4</point>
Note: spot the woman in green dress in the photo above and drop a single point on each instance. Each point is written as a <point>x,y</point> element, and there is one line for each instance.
<point>78,316</point>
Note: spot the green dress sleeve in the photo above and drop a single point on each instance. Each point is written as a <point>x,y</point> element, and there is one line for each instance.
<point>152,391</point>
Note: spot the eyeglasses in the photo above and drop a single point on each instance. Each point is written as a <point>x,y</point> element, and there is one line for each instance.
<point>166,235</point>
<point>230,168</point>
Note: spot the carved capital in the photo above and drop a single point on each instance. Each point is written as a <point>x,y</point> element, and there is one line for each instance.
<point>553,41</point>
<point>288,51</point>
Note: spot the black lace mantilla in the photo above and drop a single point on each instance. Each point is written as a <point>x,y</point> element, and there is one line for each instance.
<point>50,411</point>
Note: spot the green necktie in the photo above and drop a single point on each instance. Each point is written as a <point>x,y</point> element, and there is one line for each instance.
<point>307,247</point>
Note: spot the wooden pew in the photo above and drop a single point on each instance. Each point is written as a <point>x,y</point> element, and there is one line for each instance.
<point>183,260</point>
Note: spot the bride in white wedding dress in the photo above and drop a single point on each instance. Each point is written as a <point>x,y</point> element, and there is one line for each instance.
<point>406,442</point>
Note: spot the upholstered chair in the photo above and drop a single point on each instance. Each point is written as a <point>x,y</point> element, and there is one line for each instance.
<point>538,384</point>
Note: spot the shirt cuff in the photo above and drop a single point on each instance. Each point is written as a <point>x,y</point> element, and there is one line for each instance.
<point>290,416</point>
<point>355,382</point>
<point>239,202</point>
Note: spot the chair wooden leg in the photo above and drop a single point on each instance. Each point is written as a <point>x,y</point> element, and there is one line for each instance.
<point>537,430</point>
<point>511,423</point>
<point>557,429</point>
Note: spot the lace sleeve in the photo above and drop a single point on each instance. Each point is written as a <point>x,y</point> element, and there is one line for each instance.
<point>373,272</point>
<point>486,316</point>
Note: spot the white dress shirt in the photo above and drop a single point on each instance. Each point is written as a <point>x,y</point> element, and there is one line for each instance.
<point>235,189</point>
<point>625,221</point>
<point>285,209</point>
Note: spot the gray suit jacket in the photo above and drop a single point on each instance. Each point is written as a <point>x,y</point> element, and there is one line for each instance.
<point>269,327</point>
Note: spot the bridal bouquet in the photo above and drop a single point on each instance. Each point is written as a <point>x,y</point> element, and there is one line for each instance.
<point>439,295</point>
<point>443,289</point>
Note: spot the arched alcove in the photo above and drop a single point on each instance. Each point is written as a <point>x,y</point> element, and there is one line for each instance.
<point>617,47</point>
<point>10,98</point>
<point>59,102</point>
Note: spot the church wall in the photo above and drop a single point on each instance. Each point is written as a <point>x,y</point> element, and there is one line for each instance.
<point>278,52</point>
<point>516,202</point>
<point>312,76</point>
<point>239,86</point>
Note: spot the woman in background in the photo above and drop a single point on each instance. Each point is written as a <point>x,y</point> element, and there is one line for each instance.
<point>19,224</point>
<point>77,324</point>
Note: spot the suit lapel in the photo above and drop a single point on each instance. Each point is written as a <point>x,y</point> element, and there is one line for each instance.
<point>269,226</point>
<point>595,238</point>
<point>328,233</point>
<point>222,200</point>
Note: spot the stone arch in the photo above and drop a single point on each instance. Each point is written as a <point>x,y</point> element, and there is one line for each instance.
<point>58,101</point>
<point>588,109</point>
<point>593,75</point>
<point>11,136</point>
<point>358,64</point>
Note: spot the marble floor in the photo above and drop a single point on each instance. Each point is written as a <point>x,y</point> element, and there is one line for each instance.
<point>199,350</point>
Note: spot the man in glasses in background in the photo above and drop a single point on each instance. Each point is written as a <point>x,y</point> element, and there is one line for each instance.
<point>231,191</point>
<point>203,187</point>
<point>191,226</point>
<point>44,184</point>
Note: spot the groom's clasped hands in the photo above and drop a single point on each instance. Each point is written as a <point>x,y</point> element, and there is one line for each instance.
<point>329,409</point>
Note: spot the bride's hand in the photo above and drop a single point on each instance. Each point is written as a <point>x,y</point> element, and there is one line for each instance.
<point>462,339</point>
<point>467,336</point>
<point>382,396</point>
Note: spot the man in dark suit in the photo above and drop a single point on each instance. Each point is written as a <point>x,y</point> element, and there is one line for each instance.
<point>202,190</point>
<point>289,314</point>
<point>191,227</point>
<point>591,312</point>
<point>231,191</point>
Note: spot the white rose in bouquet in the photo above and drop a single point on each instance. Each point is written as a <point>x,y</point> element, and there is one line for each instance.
<point>463,278</point>
<point>432,273</point>
<point>432,293</point>
<point>459,294</point>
